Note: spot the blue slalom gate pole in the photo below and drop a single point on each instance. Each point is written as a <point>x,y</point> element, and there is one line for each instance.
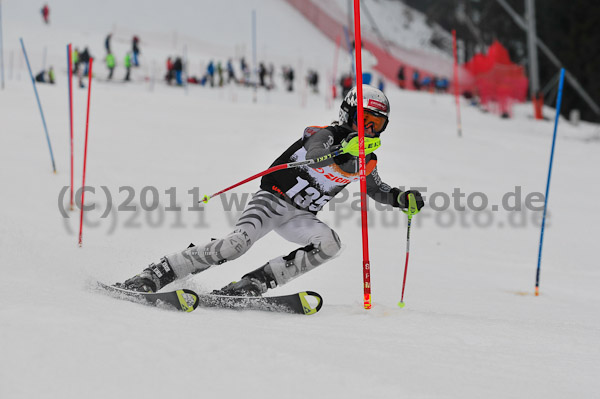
<point>1,48</point>
<point>39,104</point>
<point>558,102</point>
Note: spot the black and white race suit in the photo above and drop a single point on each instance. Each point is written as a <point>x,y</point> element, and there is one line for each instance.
<point>287,204</point>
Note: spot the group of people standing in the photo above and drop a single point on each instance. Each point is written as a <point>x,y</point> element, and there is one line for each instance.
<point>131,57</point>
<point>430,83</point>
<point>217,75</point>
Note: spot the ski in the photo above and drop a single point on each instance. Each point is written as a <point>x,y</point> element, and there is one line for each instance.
<point>297,303</point>
<point>187,300</point>
<point>183,299</point>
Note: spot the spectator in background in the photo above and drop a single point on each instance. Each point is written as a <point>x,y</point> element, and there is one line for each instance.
<point>110,64</point>
<point>170,72</point>
<point>245,71</point>
<point>84,58</point>
<point>210,73</point>
<point>270,73</point>
<point>178,68</point>
<point>401,78</point>
<point>441,84</point>
<point>416,81</point>
<point>313,80</point>
<point>127,63</point>
<point>426,83</point>
<point>262,72</point>
<point>45,77</point>
<point>75,61</point>
<point>346,82</point>
<point>230,72</point>
<point>220,73</point>
<point>288,77</point>
<point>135,50</point>
<point>107,43</point>
<point>46,14</point>
<point>381,85</point>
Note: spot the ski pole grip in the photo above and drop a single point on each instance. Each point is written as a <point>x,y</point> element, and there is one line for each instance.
<point>412,206</point>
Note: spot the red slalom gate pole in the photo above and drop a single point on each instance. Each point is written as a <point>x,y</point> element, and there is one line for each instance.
<point>70,81</point>
<point>361,158</point>
<point>456,84</point>
<point>87,122</point>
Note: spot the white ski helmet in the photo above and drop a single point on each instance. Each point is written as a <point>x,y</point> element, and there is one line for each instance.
<point>373,101</point>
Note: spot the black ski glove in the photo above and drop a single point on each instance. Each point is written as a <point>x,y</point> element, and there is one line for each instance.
<point>403,199</point>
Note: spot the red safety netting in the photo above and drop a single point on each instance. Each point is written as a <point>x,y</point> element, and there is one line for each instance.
<point>498,81</point>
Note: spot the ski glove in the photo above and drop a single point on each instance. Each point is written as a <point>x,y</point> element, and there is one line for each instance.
<point>350,144</point>
<point>403,199</point>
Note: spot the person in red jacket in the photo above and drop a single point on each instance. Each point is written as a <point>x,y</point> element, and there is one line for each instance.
<point>46,13</point>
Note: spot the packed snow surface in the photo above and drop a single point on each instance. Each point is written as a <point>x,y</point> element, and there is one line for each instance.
<point>471,327</point>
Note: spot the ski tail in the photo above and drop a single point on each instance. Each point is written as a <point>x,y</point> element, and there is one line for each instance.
<point>183,299</point>
<point>184,303</point>
<point>306,307</point>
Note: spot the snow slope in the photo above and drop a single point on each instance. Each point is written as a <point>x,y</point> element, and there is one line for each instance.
<point>470,328</point>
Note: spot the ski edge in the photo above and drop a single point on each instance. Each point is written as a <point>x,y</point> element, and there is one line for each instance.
<point>296,303</point>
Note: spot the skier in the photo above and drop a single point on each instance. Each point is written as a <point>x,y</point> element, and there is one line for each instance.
<point>287,202</point>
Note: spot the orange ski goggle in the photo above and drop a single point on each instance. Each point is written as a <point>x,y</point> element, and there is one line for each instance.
<point>377,121</point>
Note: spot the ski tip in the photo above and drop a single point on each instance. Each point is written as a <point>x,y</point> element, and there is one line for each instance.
<point>401,304</point>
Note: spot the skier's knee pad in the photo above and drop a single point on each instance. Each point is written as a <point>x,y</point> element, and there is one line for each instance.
<point>331,246</point>
<point>231,247</point>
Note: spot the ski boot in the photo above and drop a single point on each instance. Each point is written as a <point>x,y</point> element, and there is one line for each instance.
<point>151,279</point>
<point>254,283</point>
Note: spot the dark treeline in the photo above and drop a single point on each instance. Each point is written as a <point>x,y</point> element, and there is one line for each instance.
<point>569,28</point>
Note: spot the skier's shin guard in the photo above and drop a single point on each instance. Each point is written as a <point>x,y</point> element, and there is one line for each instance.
<point>196,259</point>
<point>303,260</point>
